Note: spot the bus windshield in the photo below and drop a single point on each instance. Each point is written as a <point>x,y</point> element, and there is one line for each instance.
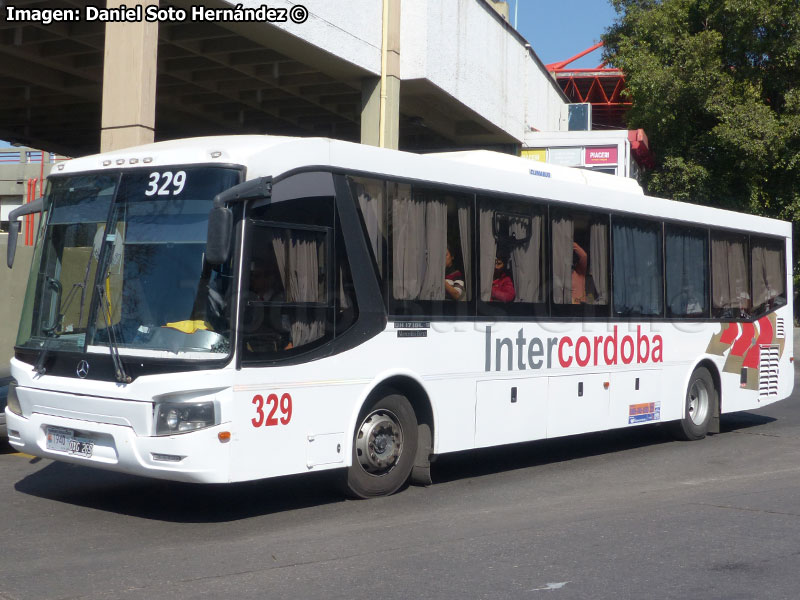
<point>120,259</point>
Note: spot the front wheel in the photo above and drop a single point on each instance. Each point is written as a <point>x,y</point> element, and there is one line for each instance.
<point>384,447</point>
<point>701,398</point>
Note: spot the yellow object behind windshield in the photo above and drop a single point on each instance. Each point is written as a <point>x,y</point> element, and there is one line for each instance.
<point>189,326</point>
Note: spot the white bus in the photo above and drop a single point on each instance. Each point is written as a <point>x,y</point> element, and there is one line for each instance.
<point>235,308</point>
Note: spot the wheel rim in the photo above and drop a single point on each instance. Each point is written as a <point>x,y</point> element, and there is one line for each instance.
<point>379,442</point>
<point>698,402</point>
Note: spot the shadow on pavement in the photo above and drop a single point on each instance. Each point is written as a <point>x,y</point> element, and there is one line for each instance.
<point>474,463</point>
<point>195,503</point>
<point>175,501</point>
<point>743,420</point>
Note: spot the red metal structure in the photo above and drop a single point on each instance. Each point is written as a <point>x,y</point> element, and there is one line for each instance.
<point>601,87</point>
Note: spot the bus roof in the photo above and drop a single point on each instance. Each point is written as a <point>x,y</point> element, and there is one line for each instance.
<point>488,171</point>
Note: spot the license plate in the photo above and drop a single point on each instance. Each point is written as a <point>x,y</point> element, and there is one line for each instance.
<point>65,440</point>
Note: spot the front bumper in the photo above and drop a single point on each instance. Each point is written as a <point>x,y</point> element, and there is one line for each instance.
<point>197,457</point>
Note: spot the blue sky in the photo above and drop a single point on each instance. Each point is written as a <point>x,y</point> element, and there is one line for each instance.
<point>561,29</point>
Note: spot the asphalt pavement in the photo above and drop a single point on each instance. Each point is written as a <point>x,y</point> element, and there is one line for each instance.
<point>621,514</point>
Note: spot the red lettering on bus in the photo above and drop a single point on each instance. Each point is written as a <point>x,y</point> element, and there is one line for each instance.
<point>582,361</point>
<point>612,341</point>
<point>564,342</point>
<point>657,347</point>
<point>284,405</point>
<point>627,359</point>
<point>642,357</point>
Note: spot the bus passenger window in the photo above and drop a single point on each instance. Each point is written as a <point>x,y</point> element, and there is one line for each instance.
<point>637,268</point>
<point>431,245</point>
<point>686,272</point>
<point>512,263</point>
<point>730,280</point>
<point>768,265</point>
<point>286,305</point>
<point>580,260</point>
<point>370,195</point>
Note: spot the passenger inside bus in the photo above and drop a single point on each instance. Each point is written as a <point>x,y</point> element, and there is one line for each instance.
<point>265,283</point>
<point>453,278</point>
<point>502,284</point>
<point>270,330</point>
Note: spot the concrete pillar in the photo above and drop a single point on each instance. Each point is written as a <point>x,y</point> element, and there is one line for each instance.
<point>371,90</point>
<point>370,110</point>
<point>129,81</point>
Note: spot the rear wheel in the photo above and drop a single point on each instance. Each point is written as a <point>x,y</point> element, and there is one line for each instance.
<point>701,398</point>
<point>384,447</point>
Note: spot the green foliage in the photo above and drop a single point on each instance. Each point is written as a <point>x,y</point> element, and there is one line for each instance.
<point>715,85</point>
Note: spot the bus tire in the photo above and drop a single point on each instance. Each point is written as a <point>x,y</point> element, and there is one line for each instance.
<point>701,398</point>
<point>384,448</point>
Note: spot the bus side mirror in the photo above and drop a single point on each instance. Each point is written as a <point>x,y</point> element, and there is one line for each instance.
<point>220,219</point>
<point>13,232</point>
<point>220,232</point>
<point>14,225</point>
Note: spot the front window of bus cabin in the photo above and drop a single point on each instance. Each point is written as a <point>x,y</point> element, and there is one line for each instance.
<point>122,258</point>
<point>298,290</point>
<point>58,299</point>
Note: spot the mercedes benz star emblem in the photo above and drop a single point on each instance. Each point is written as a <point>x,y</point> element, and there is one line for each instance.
<point>83,369</point>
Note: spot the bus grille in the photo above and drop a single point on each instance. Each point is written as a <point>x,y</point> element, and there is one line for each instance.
<point>768,371</point>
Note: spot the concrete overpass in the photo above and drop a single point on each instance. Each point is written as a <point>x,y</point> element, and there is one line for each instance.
<point>456,75</point>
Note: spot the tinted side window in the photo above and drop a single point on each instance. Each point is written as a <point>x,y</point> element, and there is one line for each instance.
<point>687,272</point>
<point>768,266</point>
<point>512,264</point>
<point>580,263</point>
<point>293,288</point>
<point>637,268</point>
<point>370,195</point>
<point>431,251</point>
<point>730,281</point>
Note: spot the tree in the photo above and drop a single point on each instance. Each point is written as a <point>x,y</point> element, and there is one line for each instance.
<point>716,86</point>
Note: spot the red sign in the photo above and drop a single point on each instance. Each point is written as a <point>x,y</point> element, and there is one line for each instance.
<point>606,155</point>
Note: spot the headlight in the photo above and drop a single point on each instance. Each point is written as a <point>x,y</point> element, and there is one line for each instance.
<point>13,400</point>
<point>182,417</point>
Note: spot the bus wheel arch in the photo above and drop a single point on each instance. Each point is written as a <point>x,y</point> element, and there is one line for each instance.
<point>702,404</point>
<point>388,401</point>
<point>716,408</point>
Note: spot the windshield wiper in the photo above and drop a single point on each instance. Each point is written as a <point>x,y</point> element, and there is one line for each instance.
<point>119,368</point>
<point>52,331</point>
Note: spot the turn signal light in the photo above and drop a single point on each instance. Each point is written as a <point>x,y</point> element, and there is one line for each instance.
<point>224,436</point>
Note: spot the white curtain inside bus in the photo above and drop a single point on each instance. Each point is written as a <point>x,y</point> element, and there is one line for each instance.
<point>300,256</point>
<point>769,283</point>
<point>729,280</point>
<point>371,200</point>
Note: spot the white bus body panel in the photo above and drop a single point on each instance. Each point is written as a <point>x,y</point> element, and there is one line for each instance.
<point>456,364</point>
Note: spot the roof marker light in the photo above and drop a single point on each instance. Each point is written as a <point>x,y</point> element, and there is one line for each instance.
<point>106,163</point>
<point>134,161</point>
<point>147,160</point>
<point>216,154</point>
<point>60,167</point>
<point>120,161</point>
